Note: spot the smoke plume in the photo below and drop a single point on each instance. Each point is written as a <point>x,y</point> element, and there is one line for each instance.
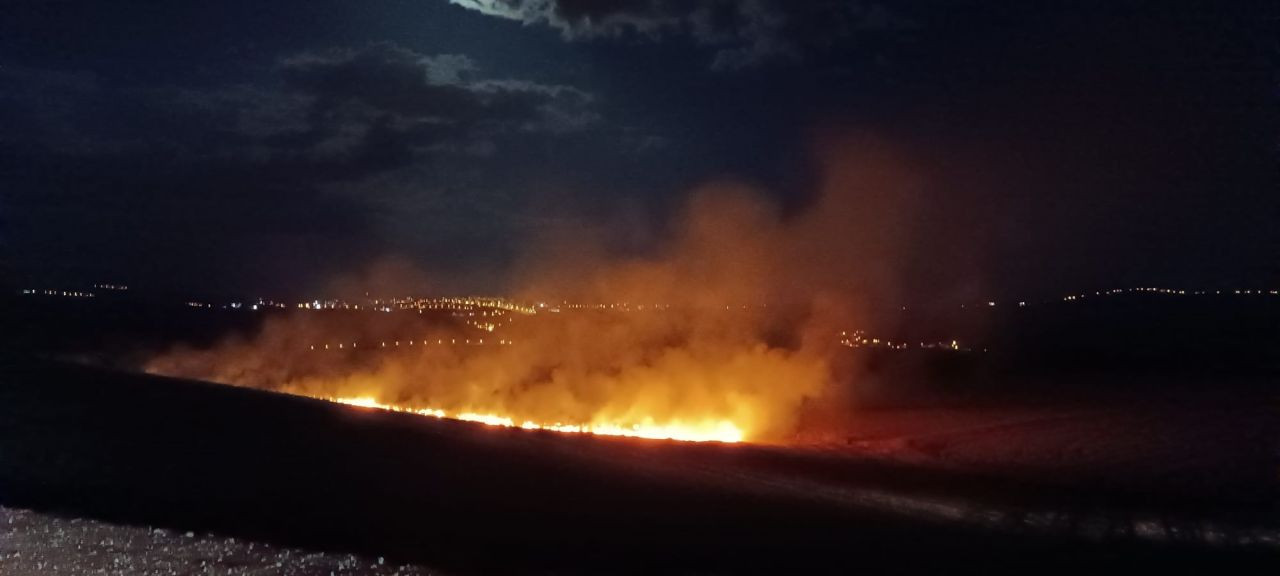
<point>734,318</point>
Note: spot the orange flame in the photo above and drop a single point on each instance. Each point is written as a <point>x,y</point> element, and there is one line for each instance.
<point>708,431</point>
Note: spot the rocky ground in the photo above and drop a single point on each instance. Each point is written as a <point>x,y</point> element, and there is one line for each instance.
<point>34,544</point>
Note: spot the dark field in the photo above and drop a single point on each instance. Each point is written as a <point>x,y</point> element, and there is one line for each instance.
<point>1132,467</point>
<point>464,497</point>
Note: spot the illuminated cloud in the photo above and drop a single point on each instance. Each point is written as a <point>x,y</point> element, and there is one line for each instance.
<point>740,34</point>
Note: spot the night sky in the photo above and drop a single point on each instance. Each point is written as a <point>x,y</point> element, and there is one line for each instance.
<point>262,147</point>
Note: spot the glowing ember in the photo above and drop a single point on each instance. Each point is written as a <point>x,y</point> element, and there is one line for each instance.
<point>721,431</point>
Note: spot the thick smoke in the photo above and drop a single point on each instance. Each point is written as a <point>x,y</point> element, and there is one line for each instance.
<point>741,308</point>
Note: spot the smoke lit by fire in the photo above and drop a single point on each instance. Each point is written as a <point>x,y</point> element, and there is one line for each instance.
<point>749,307</point>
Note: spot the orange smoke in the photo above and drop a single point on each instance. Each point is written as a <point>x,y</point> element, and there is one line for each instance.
<point>751,307</point>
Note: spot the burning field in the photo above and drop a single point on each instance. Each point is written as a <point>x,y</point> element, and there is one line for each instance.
<point>721,334</point>
<point>310,476</point>
<point>646,374</point>
<point>701,406</point>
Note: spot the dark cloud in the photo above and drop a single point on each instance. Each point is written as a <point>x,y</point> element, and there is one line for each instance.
<point>740,34</point>
<point>419,89</point>
<point>235,181</point>
<point>353,110</point>
<point>1059,147</point>
<point>366,110</point>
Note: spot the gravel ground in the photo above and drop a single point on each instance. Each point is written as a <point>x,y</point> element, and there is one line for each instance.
<point>39,544</point>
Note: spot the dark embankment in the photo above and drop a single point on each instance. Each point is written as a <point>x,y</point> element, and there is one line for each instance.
<point>140,449</point>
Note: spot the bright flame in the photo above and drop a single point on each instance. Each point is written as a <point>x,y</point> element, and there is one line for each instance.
<point>710,431</point>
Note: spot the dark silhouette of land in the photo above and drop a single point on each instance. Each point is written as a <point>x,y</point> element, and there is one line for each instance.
<point>141,449</point>
<point>104,443</point>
